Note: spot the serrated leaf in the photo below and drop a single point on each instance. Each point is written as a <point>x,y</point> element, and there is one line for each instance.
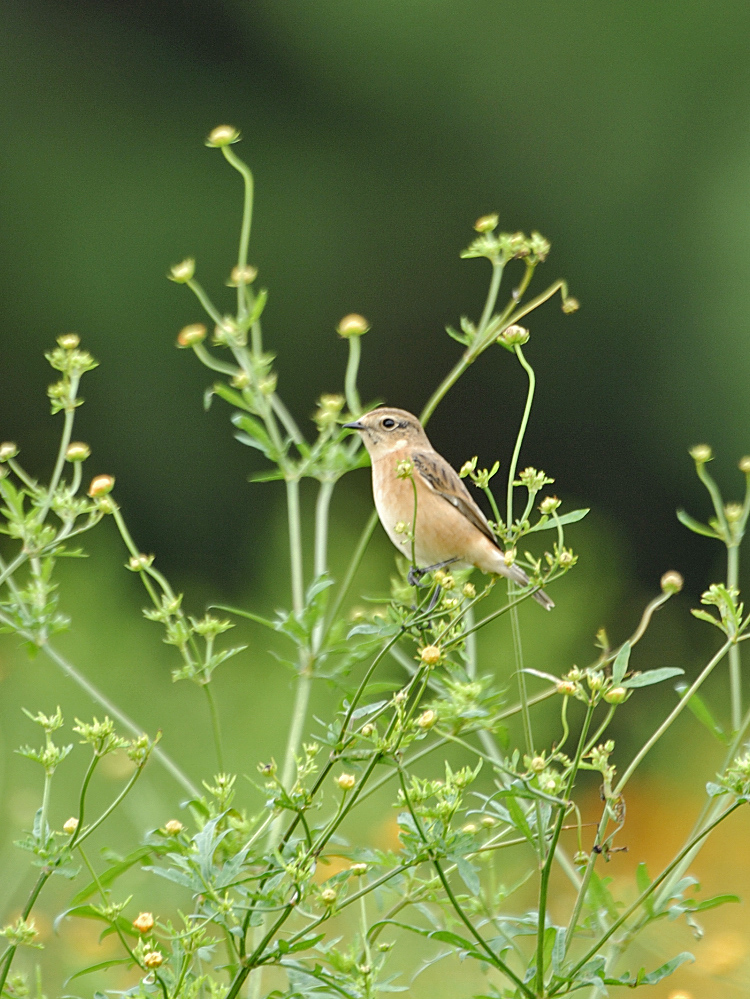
<point>652,676</point>
<point>620,666</point>
<point>695,525</point>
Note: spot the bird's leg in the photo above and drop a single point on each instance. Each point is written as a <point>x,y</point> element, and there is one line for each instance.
<point>415,574</point>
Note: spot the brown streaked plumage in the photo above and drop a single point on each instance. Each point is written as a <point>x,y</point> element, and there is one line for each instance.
<point>450,526</point>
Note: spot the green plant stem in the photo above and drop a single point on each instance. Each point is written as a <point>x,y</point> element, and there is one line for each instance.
<point>7,958</point>
<point>350,380</point>
<point>521,431</point>
<point>295,544</point>
<point>111,708</point>
<point>354,564</point>
<point>547,868</point>
<point>215,725</point>
<point>247,215</point>
<point>64,442</point>
<point>735,670</point>
<point>642,898</point>
<point>677,710</point>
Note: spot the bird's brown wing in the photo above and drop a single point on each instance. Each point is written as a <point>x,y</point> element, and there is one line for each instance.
<point>443,479</point>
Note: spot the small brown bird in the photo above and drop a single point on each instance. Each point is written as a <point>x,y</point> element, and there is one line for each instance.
<point>450,526</point>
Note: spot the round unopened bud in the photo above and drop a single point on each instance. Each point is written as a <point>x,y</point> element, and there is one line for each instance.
<point>328,896</point>
<point>565,558</point>
<point>744,464</point>
<point>241,380</point>
<point>448,582</point>
<point>486,223</point>
<point>574,674</point>
<point>469,828</point>
<point>595,681</point>
<point>358,869</point>
<point>488,822</point>
<point>144,922</point>
<point>615,695</point>
<point>346,781</point>
<point>69,341</point>
<point>267,385</point>
<point>671,582</point>
<point>77,451</point>
<point>242,275</point>
<point>427,719</point>
<point>430,655</point>
<point>183,272</point>
<point>191,334</point>
<point>173,827</point>
<point>153,959</point>
<point>509,556</point>
<point>733,512</point>
<point>367,730</point>
<point>549,504</point>
<point>8,450</point>
<point>566,687</point>
<point>352,325</point>
<point>570,305</point>
<point>537,764</point>
<point>222,135</point>
<point>469,590</point>
<point>136,563</point>
<point>701,453</point>
<point>581,858</point>
<point>513,335</point>
<point>71,825</point>
<point>101,485</point>
<point>549,785</point>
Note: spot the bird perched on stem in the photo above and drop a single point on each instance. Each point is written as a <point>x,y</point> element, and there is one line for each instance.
<point>450,527</point>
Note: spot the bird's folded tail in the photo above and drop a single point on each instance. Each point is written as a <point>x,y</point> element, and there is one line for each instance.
<point>517,575</point>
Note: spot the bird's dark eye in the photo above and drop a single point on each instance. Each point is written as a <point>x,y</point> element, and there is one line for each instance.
<point>388,423</point>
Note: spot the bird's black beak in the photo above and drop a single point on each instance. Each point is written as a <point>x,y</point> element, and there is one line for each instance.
<point>354,426</point>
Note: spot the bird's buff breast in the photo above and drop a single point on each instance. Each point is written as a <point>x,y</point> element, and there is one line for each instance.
<point>442,533</point>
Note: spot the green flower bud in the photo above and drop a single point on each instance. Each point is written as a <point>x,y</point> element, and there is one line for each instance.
<point>69,341</point>
<point>701,453</point>
<point>352,325</point>
<point>222,135</point>
<point>183,272</point>
<point>672,582</point>
<point>244,275</point>
<point>570,305</point>
<point>486,223</point>
<point>549,504</point>
<point>8,450</point>
<point>192,334</point>
<point>101,485</point>
<point>744,464</point>
<point>616,695</point>
<point>513,335</point>
<point>77,451</point>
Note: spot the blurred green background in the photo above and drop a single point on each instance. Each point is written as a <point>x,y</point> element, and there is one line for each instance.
<point>377,132</point>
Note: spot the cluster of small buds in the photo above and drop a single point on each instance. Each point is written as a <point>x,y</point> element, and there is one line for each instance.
<point>533,479</point>
<point>352,325</point>
<point>346,782</point>
<point>77,451</point>
<point>228,334</point>
<point>100,485</point>
<point>487,223</point>
<point>191,335</point>
<point>8,450</point>
<point>444,579</point>
<point>136,563</point>
<point>183,272</point>
<point>358,870</point>
<point>222,135</point>
<point>671,582</point>
<point>427,720</point>
<point>144,922</point>
<point>329,410</point>
<point>173,827</point>
<point>242,275</point>
<point>469,591</point>
<point>514,336</point>
<point>70,825</point>
<point>701,453</point>
<point>548,505</point>
<point>404,469</point>
<point>570,305</point>
<point>737,777</point>
<point>431,655</point>
<point>468,467</point>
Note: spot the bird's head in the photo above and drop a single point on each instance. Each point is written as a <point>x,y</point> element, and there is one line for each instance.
<point>386,429</point>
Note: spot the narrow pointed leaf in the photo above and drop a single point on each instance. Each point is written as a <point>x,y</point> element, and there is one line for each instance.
<point>695,525</point>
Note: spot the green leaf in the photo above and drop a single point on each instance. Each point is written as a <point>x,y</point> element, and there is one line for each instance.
<point>106,878</point>
<point>695,525</point>
<point>653,977</point>
<point>620,667</point>
<point>102,966</point>
<point>653,676</point>
<point>567,518</point>
<point>643,881</point>
<point>468,875</point>
<point>229,395</point>
<point>462,338</point>
<point>702,712</point>
<point>273,476</point>
<point>248,614</point>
